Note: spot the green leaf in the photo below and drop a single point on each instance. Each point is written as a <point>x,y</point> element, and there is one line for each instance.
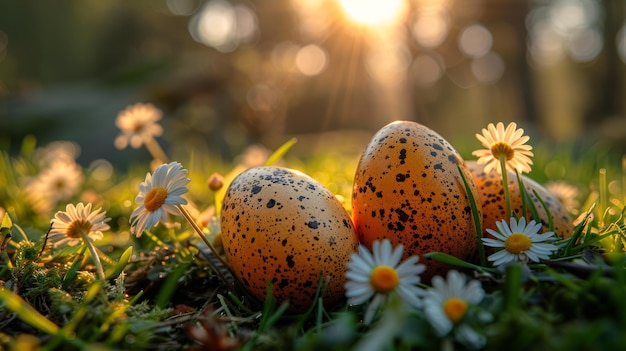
<point>476,218</point>
<point>26,312</point>
<point>7,224</point>
<point>547,210</point>
<point>280,152</point>
<point>116,270</point>
<point>71,274</point>
<point>171,284</point>
<point>445,258</point>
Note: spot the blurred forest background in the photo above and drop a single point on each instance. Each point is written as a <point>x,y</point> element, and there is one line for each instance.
<point>230,73</point>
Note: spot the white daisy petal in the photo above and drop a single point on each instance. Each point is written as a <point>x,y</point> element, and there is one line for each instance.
<point>534,249</point>
<point>500,257</point>
<point>513,140</point>
<point>437,317</point>
<point>373,307</point>
<point>172,178</point>
<point>69,227</point>
<point>454,287</point>
<point>362,284</point>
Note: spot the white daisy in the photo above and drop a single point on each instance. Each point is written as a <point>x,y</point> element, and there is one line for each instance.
<point>446,304</point>
<point>519,242</point>
<point>138,124</point>
<point>72,226</point>
<point>159,195</point>
<point>380,275</point>
<point>60,181</point>
<point>64,151</point>
<point>508,143</point>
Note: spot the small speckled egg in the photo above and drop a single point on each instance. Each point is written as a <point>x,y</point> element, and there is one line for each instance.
<point>281,225</point>
<point>408,189</point>
<point>493,201</point>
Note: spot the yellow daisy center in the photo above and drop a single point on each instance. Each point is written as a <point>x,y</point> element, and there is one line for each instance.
<point>502,149</point>
<point>517,243</point>
<point>155,198</point>
<point>138,126</point>
<point>77,227</point>
<point>384,279</point>
<point>454,308</point>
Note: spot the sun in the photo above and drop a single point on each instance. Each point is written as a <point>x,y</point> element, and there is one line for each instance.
<point>373,12</point>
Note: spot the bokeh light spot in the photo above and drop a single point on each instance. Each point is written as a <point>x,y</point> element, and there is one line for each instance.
<point>223,26</point>
<point>475,40</point>
<point>182,7</point>
<point>311,60</point>
<point>262,97</point>
<point>584,45</point>
<point>488,68</point>
<point>101,169</point>
<point>426,70</point>
<point>430,30</point>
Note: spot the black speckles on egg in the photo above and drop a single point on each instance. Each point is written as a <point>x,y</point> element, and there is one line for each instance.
<point>294,228</point>
<point>312,224</point>
<point>290,262</point>
<point>416,175</point>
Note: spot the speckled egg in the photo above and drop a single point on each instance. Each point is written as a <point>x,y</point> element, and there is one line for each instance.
<point>493,202</point>
<point>281,225</point>
<point>408,189</point>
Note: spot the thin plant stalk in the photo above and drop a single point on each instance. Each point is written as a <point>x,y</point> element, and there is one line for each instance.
<point>603,190</point>
<point>624,180</point>
<point>155,149</point>
<point>505,185</point>
<point>94,255</point>
<point>197,229</point>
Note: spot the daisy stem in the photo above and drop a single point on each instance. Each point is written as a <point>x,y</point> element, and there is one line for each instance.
<point>94,255</point>
<point>197,229</point>
<point>505,185</point>
<point>155,149</point>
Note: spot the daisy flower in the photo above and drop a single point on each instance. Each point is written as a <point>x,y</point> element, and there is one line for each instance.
<point>79,225</point>
<point>376,276</point>
<point>63,151</point>
<point>138,124</point>
<point>508,144</point>
<point>159,195</point>
<point>446,304</point>
<point>60,181</point>
<point>70,227</point>
<point>519,242</point>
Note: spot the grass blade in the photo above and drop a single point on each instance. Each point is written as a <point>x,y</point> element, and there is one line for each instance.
<point>26,312</point>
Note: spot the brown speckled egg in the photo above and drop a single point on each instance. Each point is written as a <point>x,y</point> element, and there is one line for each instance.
<point>494,206</point>
<point>408,189</point>
<point>281,225</point>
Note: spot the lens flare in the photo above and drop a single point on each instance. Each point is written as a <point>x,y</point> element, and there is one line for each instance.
<point>373,12</point>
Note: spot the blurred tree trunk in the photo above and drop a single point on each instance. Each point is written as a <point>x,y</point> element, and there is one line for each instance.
<point>610,80</point>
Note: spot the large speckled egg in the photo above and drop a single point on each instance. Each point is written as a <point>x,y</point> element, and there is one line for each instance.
<point>493,202</point>
<point>408,189</point>
<point>281,225</point>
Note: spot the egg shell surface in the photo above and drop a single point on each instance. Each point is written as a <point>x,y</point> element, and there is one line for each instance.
<point>283,226</point>
<point>408,189</point>
<point>493,202</point>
